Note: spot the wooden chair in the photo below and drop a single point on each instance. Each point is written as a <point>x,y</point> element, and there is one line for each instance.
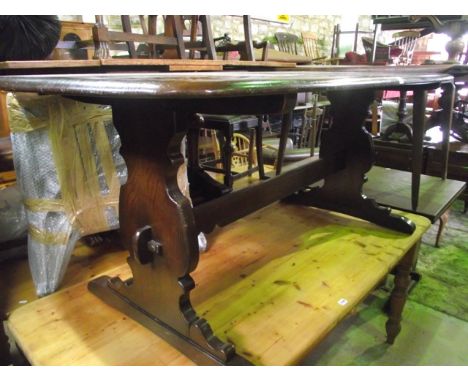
<point>308,138</point>
<point>231,145</point>
<point>246,47</point>
<point>406,42</point>
<point>311,47</point>
<point>337,33</point>
<point>382,51</point>
<point>173,38</point>
<point>208,146</point>
<point>201,37</point>
<point>312,50</point>
<point>287,42</point>
<point>226,125</point>
<point>242,155</point>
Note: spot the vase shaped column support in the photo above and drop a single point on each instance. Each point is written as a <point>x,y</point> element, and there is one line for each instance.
<point>157,226</point>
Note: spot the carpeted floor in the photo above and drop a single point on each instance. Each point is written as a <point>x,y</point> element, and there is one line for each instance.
<point>444,283</point>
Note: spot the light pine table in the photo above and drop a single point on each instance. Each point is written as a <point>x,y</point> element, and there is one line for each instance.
<point>274,298</point>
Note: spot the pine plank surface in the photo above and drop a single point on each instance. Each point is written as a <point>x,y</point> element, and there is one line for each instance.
<point>48,64</point>
<point>273,283</point>
<point>16,285</point>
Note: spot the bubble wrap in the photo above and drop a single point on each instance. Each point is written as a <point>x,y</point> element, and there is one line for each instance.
<point>36,166</point>
<point>35,122</point>
<point>13,223</point>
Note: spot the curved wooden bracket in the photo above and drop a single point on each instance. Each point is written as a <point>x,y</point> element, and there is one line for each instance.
<point>158,226</point>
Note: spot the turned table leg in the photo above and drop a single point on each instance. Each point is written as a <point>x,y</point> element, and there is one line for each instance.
<point>443,220</point>
<point>400,293</point>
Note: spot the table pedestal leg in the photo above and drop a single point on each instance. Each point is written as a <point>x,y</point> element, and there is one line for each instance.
<point>347,148</point>
<point>157,225</point>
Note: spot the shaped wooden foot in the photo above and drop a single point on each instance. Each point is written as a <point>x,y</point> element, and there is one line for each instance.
<point>160,301</point>
<point>348,151</point>
<point>360,207</point>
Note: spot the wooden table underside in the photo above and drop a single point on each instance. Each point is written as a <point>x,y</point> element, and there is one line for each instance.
<point>152,113</point>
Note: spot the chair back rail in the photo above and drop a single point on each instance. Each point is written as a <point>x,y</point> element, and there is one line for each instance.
<point>287,42</point>
<point>246,47</point>
<point>172,39</point>
<point>406,41</point>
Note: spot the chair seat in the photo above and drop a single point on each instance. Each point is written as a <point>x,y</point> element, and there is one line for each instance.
<point>228,125</point>
<point>238,122</point>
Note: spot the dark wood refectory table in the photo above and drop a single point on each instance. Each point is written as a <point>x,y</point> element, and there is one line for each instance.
<point>152,113</point>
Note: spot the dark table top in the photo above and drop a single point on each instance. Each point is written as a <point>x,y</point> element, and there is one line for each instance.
<point>217,84</point>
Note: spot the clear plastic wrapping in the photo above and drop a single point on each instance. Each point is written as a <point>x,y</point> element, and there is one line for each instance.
<point>13,223</point>
<point>69,170</point>
<point>66,155</point>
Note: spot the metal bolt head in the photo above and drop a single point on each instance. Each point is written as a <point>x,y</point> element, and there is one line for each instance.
<point>154,247</point>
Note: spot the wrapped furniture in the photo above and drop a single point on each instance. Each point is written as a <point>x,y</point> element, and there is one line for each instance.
<point>66,155</point>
